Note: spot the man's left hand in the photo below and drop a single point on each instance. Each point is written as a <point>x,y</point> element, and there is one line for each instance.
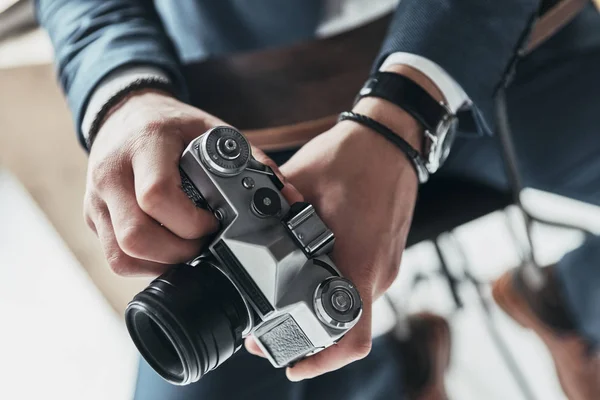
<point>364,189</point>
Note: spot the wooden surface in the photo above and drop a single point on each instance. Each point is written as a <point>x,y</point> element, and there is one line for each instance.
<point>285,86</point>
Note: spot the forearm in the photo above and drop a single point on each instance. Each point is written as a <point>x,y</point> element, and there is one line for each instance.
<point>93,38</point>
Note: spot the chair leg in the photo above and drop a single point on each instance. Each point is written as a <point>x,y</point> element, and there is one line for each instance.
<point>532,273</point>
<point>486,305</point>
<point>450,279</point>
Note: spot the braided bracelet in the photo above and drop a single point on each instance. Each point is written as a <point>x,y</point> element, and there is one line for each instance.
<point>413,156</point>
<point>137,85</point>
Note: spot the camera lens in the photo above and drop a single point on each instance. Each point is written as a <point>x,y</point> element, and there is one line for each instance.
<point>187,322</point>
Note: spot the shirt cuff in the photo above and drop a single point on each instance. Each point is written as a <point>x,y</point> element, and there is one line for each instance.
<point>455,96</point>
<point>112,84</point>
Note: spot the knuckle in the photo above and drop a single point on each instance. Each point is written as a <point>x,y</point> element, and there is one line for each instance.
<point>89,222</point>
<point>87,213</point>
<point>132,240</point>
<point>103,174</point>
<point>154,194</point>
<point>156,124</point>
<point>160,124</point>
<point>92,210</point>
<point>120,264</point>
<point>195,232</point>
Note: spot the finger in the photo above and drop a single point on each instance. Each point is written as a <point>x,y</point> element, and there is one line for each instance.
<point>354,346</point>
<point>253,347</point>
<point>119,262</point>
<point>93,206</point>
<point>139,236</point>
<point>289,191</point>
<point>159,193</point>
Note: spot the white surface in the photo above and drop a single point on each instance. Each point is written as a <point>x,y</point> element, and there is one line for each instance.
<point>477,369</point>
<point>59,339</point>
<point>342,15</point>
<point>30,48</point>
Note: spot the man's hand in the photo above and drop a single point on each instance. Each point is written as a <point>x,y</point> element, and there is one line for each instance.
<point>364,188</point>
<point>133,200</point>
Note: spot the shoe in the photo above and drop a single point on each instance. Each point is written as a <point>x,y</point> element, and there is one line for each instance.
<point>426,354</point>
<point>545,313</point>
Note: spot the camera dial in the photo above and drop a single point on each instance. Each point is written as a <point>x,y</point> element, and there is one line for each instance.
<point>224,151</point>
<point>337,303</point>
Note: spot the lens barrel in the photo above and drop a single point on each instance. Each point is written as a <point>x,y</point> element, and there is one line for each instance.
<point>187,321</point>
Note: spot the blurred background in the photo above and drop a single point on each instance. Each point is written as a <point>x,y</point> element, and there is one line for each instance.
<point>62,334</point>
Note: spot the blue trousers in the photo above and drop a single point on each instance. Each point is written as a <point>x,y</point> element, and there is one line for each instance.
<point>554,106</point>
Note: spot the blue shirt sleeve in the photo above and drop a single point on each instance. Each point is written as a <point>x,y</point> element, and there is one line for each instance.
<point>474,41</point>
<point>92,38</point>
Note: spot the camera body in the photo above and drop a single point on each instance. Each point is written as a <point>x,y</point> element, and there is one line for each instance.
<point>274,254</point>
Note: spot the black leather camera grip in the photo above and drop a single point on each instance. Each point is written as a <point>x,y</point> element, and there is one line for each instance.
<point>191,191</point>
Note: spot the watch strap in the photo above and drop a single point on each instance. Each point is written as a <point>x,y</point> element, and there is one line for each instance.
<point>406,94</point>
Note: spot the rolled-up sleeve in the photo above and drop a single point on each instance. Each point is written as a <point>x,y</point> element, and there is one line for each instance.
<point>92,38</point>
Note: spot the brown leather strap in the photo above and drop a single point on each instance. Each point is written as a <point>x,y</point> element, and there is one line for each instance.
<point>288,137</point>
<point>553,20</point>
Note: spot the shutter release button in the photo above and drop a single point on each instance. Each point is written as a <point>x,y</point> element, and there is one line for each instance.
<point>266,203</point>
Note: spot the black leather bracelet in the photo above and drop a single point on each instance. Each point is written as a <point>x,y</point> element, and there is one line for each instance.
<point>413,156</point>
<point>137,85</point>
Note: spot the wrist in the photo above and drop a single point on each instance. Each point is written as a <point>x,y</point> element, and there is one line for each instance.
<point>393,116</point>
<point>398,114</point>
<point>402,123</point>
<point>112,85</point>
<point>134,99</point>
<point>116,101</point>
<point>128,101</point>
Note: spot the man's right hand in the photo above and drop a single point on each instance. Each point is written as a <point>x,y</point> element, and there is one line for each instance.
<point>133,199</point>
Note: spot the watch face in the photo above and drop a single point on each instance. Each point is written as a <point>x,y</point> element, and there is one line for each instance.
<point>446,144</point>
<point>441,142</point>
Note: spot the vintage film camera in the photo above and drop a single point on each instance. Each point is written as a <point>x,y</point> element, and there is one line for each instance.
<point>266,273</point>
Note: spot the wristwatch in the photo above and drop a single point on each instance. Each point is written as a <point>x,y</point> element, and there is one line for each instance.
<point>439,122</point>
